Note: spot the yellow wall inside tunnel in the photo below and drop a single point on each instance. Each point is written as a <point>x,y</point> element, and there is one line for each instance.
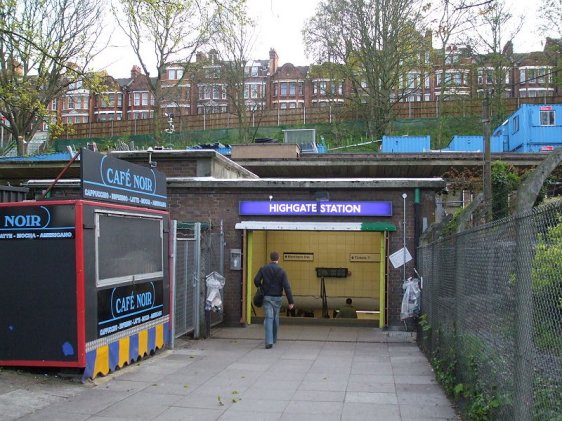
<point>332,249</point>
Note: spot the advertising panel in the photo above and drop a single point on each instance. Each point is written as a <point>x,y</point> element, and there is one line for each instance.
<point>36,222</point>
<point>110,179</point>
<point>127,306</point>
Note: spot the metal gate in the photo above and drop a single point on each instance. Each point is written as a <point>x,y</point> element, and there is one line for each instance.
<point>198,251</point>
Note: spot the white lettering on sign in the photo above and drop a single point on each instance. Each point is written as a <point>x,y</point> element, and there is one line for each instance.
<point>345,208</point>
<point>22,221</point>
<point>292,207</point>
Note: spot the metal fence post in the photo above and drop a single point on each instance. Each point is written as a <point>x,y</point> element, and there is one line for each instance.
<point>173,262</point>
<point>197,281</point>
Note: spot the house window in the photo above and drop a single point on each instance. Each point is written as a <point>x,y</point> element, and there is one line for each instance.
<point>292,88</point>
<point>75,85</point>
<point>175,74</point>
<point>284,89</point>
<point>275,89</point>
<point>301,88</point>
<point>457,79</point>
<point>204,92</point>
<point>54,104</point>
<point>547,117</point>
<point>253,91</point>
<point>412,80</point>
<point>71,104</point>
<point>336,88</point>
<point>323,88</point>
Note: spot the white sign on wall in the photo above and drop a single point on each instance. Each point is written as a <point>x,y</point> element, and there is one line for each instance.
<point>400,257</point>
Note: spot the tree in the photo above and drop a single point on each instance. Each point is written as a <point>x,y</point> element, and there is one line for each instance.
<point>550,18</point>
<point>165,32</point>
<point>235,45</point>
<point>494,31</point>
<point>452,18</point>
<point>376,41</point>
<point>45,46</point>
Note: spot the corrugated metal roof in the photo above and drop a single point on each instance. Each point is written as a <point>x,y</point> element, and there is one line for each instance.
<point>57,156</point>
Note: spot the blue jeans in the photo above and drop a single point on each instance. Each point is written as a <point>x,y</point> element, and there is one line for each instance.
<point>271,306</point>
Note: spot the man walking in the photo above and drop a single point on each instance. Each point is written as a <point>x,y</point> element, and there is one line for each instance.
<point>273,279</point>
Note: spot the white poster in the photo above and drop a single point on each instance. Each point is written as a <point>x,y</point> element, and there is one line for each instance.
<point>398,258</point>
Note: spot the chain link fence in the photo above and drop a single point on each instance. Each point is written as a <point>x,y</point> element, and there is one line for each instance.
<point>492,316</point>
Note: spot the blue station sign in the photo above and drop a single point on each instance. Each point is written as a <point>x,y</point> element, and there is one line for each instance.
<point>110,179</point>
<point>316,208</point>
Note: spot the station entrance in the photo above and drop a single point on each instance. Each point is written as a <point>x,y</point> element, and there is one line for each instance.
<point>326,263</point>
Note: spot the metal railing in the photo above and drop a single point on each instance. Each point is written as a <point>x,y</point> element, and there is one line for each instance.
<point>492,316</point>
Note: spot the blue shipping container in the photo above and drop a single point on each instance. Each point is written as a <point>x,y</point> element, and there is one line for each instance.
<point>405,144</point>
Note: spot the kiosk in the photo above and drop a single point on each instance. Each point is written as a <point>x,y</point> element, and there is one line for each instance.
<point>86,283</point>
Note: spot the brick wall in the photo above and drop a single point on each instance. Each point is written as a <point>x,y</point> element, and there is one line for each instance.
<point>216,205</point>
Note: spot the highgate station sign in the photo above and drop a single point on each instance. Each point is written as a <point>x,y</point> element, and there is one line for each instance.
<point>316,208</point>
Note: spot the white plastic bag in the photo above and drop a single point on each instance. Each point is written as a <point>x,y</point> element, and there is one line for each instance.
<point>411,300</point>
<point>214,282</point>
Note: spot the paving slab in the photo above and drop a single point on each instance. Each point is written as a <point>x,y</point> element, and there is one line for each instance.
<point>313,373</point>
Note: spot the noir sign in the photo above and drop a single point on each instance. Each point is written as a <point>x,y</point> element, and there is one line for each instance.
<point>127,306</point>
<point>114,180</point>
<point>36,222</point>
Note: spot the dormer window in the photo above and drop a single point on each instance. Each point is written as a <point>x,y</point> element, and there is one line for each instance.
<point>175,74</point>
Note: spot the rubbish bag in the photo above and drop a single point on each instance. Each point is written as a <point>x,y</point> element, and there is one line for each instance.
<point>411,301</point>
<point>214,282</point>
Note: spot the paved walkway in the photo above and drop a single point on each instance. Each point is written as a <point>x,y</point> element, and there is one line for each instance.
<point>312,373</point>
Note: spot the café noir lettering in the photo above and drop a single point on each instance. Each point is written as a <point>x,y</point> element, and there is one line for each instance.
<point>123,178</point>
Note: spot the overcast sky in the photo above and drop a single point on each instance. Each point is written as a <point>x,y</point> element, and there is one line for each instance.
<point>279,25</point>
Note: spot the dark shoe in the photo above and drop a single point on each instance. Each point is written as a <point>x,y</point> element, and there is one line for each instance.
<point>268,346</point>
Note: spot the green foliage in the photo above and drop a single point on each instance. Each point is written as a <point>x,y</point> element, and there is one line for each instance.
<point>423,322</point>
<point>504,181</point>
<point>453,224</point>
<point>546,284</point>
<point>478,401</point>
<point>445,373</point>
<point>547,397</point>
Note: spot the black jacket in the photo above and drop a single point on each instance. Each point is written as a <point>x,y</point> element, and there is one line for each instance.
<point>274,281</point>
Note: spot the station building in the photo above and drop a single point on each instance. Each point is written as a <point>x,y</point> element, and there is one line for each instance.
<point>335,235</point>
